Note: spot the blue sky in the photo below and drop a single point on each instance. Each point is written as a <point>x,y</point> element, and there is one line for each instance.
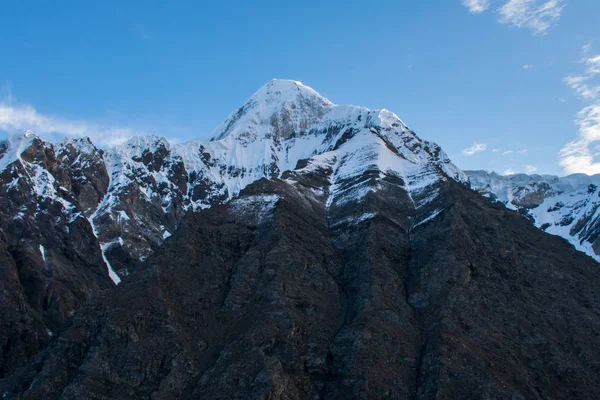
<point>504,85</point>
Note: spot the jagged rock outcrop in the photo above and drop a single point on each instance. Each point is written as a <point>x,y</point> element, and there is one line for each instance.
<point>50,257</point>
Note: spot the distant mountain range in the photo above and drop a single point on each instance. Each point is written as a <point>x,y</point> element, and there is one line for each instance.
<point>566,206</point>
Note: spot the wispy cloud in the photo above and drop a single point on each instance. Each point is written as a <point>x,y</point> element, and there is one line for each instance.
<point>580,154</point>
<point>509,171</point>
<point>507,152</point>
<point>523,151</point>
<point>19,118</point>
<point>536,15</point>
<point>476,6</point>
<point>528,66</point>
<point>476,148</point>
<point>582,87</point>
<point>530,169</point>
<point>586,83</point>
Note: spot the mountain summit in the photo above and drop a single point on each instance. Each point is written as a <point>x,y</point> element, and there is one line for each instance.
<point>280,108</point>
<point>308,250</point>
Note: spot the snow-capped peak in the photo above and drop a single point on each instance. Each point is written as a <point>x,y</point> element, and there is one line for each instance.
<point>13,146</point>
<point>139,144</point>
<point>280,109</point>
<point>285,90</point>
<point>82,144</point>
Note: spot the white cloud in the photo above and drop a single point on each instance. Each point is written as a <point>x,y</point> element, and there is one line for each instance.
<point>19,118</point>
<point>578,156</point>
<point>496,150</point>
<point>509,171</point>
<point>476,148</point>
<point>585,83</point>
<point>536,15</point>
<point>530,169</point>
<point>593,65</point>
<point>507,152</point>
<point>522,151</point>
<point>579,85</point>
<point>528,66</point>
<point>476,6</point>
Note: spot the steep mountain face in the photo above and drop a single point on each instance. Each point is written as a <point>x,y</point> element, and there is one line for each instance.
<point>74,215</point>
<point>153,183</point>
<point>360,274</point>
<point>308,250</point>
<point>50,256</point>
<point>567,206</point>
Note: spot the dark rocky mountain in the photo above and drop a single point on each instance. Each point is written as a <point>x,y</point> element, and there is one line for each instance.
<point>310,251</point>
<point>276,295</point>
<point>81,214</point>
<point>50,257</point>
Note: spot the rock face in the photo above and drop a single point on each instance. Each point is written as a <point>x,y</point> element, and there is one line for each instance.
<point>73,214</point>
<point>50,257</point>
<point>566,207</point>
<point>308,251</point>
<point>346,278</point>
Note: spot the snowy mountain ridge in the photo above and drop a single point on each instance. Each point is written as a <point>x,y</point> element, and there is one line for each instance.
<point>152,183</point>
<point>564,206</point>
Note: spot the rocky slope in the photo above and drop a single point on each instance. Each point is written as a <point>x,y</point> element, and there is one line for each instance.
<point>360,274</point>
<point>308,250</point>
<point>50,257</point>
<point>567,206</point>
<point>105,212</point>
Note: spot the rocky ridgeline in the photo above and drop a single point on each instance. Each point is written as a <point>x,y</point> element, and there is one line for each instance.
<point>314,251</point>
<point>119,205</point>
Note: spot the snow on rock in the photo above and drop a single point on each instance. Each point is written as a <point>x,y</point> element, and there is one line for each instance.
<point>430,217</point>
<point>111,273</point>
<point>282,123</point>
<point>281,108</point>
<point>12,148</point>
<point>258,206</point>
<point>43,252</point>
<point>566,206</point>
<point>151,183</point>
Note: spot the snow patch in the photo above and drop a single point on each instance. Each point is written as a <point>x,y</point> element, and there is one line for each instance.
<point>431,216</point>
<point>111,273</point>
<point>43,252</point>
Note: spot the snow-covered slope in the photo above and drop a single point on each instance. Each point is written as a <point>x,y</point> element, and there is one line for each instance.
<point>284,122</point>
<point>566,206</point>
<point>153,182</point>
